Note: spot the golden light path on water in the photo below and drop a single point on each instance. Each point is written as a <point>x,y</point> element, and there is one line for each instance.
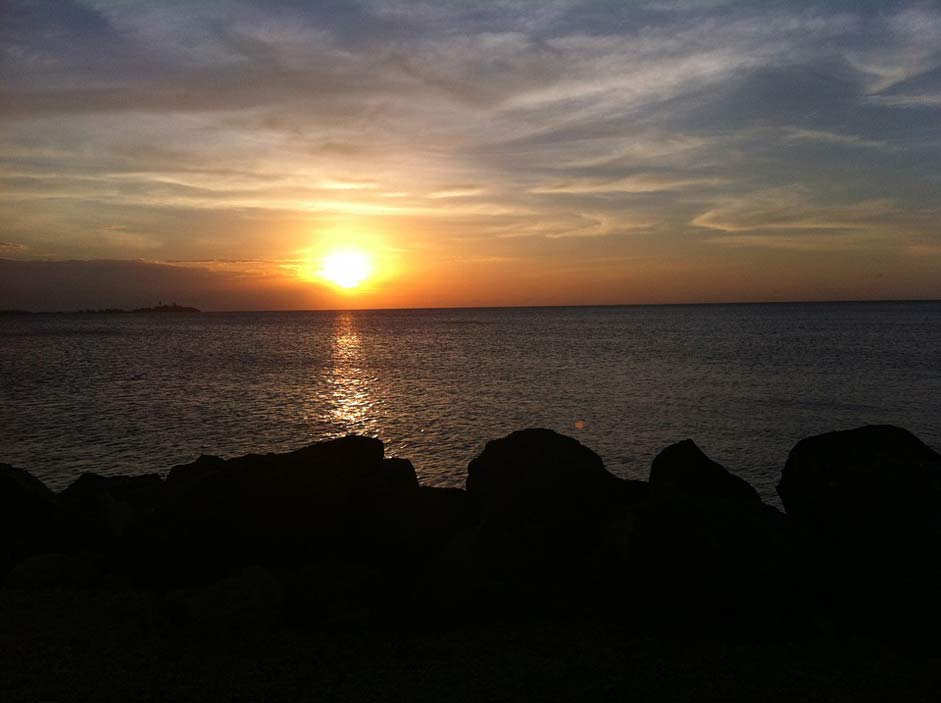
<point>349,394</point>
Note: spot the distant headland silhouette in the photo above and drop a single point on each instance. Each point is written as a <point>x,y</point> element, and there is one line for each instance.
<point>159,308</point>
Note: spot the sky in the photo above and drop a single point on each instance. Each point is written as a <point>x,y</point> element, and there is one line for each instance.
<point>480,153</point>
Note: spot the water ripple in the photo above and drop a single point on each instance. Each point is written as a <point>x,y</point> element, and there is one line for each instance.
<point>129,394</point>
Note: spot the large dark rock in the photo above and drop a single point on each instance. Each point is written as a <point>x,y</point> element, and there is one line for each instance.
<point>683,469</point>
<point>539,473</point>
<point>340,594</point>
<point>30,519</point>
<point>703,552</point>
<point>543,500</point>
<point>867,504</point>
<point>331,498</point>
<point>317,491</point>
<point>56,571</point>
<point>103,509</point>
<point>878,476</point>
<point>249,597</point>
<point>417,524</point>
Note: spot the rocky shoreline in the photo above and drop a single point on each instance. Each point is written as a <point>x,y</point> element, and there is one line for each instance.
<point>336,538</point>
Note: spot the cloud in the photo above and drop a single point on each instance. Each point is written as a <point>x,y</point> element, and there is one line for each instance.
<point>601,225</point>
<point>243,131</point>
<point>801,243</point>
<point>629,184</point>
<point>119,236</point>
<point>12,248</point>
<point>457,192</point>
<point>794,209</point>
<point>911,100</point>
<point>908,46</point>
<point>796,134</point>
<point>567,225</point>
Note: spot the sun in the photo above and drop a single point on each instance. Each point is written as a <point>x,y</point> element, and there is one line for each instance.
<point>347,268</point>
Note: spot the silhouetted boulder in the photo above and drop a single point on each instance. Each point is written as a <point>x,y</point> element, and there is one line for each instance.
<point>878,476</point>
<point>702,551</point>
<point>316,491</point>
<point>103,509</point>
<point>30,519</point>
<point>396,476</point>
<point>205,465</point>
<point>56,571</point>
<point>417,524</point>
<point>249,596</point>
<point>632,492</point>
<point>338,594</point>
<point>683,469</point>
<point>867,503</point>
<point>707,564</point>
<point>543,499</point>
<point>539,473</point>
<point>285,508</point>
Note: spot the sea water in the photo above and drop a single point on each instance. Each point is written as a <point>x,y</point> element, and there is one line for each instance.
<point>136,393</point>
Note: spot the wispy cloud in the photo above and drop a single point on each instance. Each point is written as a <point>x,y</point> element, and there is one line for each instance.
<point>12,248</point>
<point>457,192</point>
<point>792,208</point>
<point>792,218</point>
<point>907,47</point>
<point>801,243</point>
<point>629,184</point>
<point>927,100</point>
<point>797,134</point>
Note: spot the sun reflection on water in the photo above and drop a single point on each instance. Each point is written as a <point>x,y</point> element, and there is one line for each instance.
<point>348,382</point>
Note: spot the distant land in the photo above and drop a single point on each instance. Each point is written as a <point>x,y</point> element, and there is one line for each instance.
<point>173,307</point>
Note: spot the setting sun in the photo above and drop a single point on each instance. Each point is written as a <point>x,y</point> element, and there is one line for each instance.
<point>347,268</point>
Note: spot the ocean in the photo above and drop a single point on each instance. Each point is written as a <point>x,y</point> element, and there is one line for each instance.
<point>138,393</point>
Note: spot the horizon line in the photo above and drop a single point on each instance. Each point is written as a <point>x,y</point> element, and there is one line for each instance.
<point>831,301</point>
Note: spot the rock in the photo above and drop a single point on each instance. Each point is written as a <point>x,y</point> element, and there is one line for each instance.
<point>318,491</point>
<point>249,596</point>
<point>706,563</point>
<point>205,465</point>
<point>103,509</point>
<point>633,492</point>
<point>867,503</point>
<point>543,498</point>
<point>416,525</point>
<point>282,509</point>
<point>538,472</point>
<point>350,458</point>
<point>703,552</point>
<point>874,477</point>
<point>397,476</point>
<point>22,494</point>
<point>683,469</point>
<point>56,571</point>
<point>30,519</point>
<point>337,593</point>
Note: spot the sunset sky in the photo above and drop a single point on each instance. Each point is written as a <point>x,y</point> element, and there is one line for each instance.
<point>491,153</point>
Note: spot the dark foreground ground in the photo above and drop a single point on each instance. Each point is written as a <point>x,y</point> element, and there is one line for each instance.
<point>329,573</point>
<point>107,646</point>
